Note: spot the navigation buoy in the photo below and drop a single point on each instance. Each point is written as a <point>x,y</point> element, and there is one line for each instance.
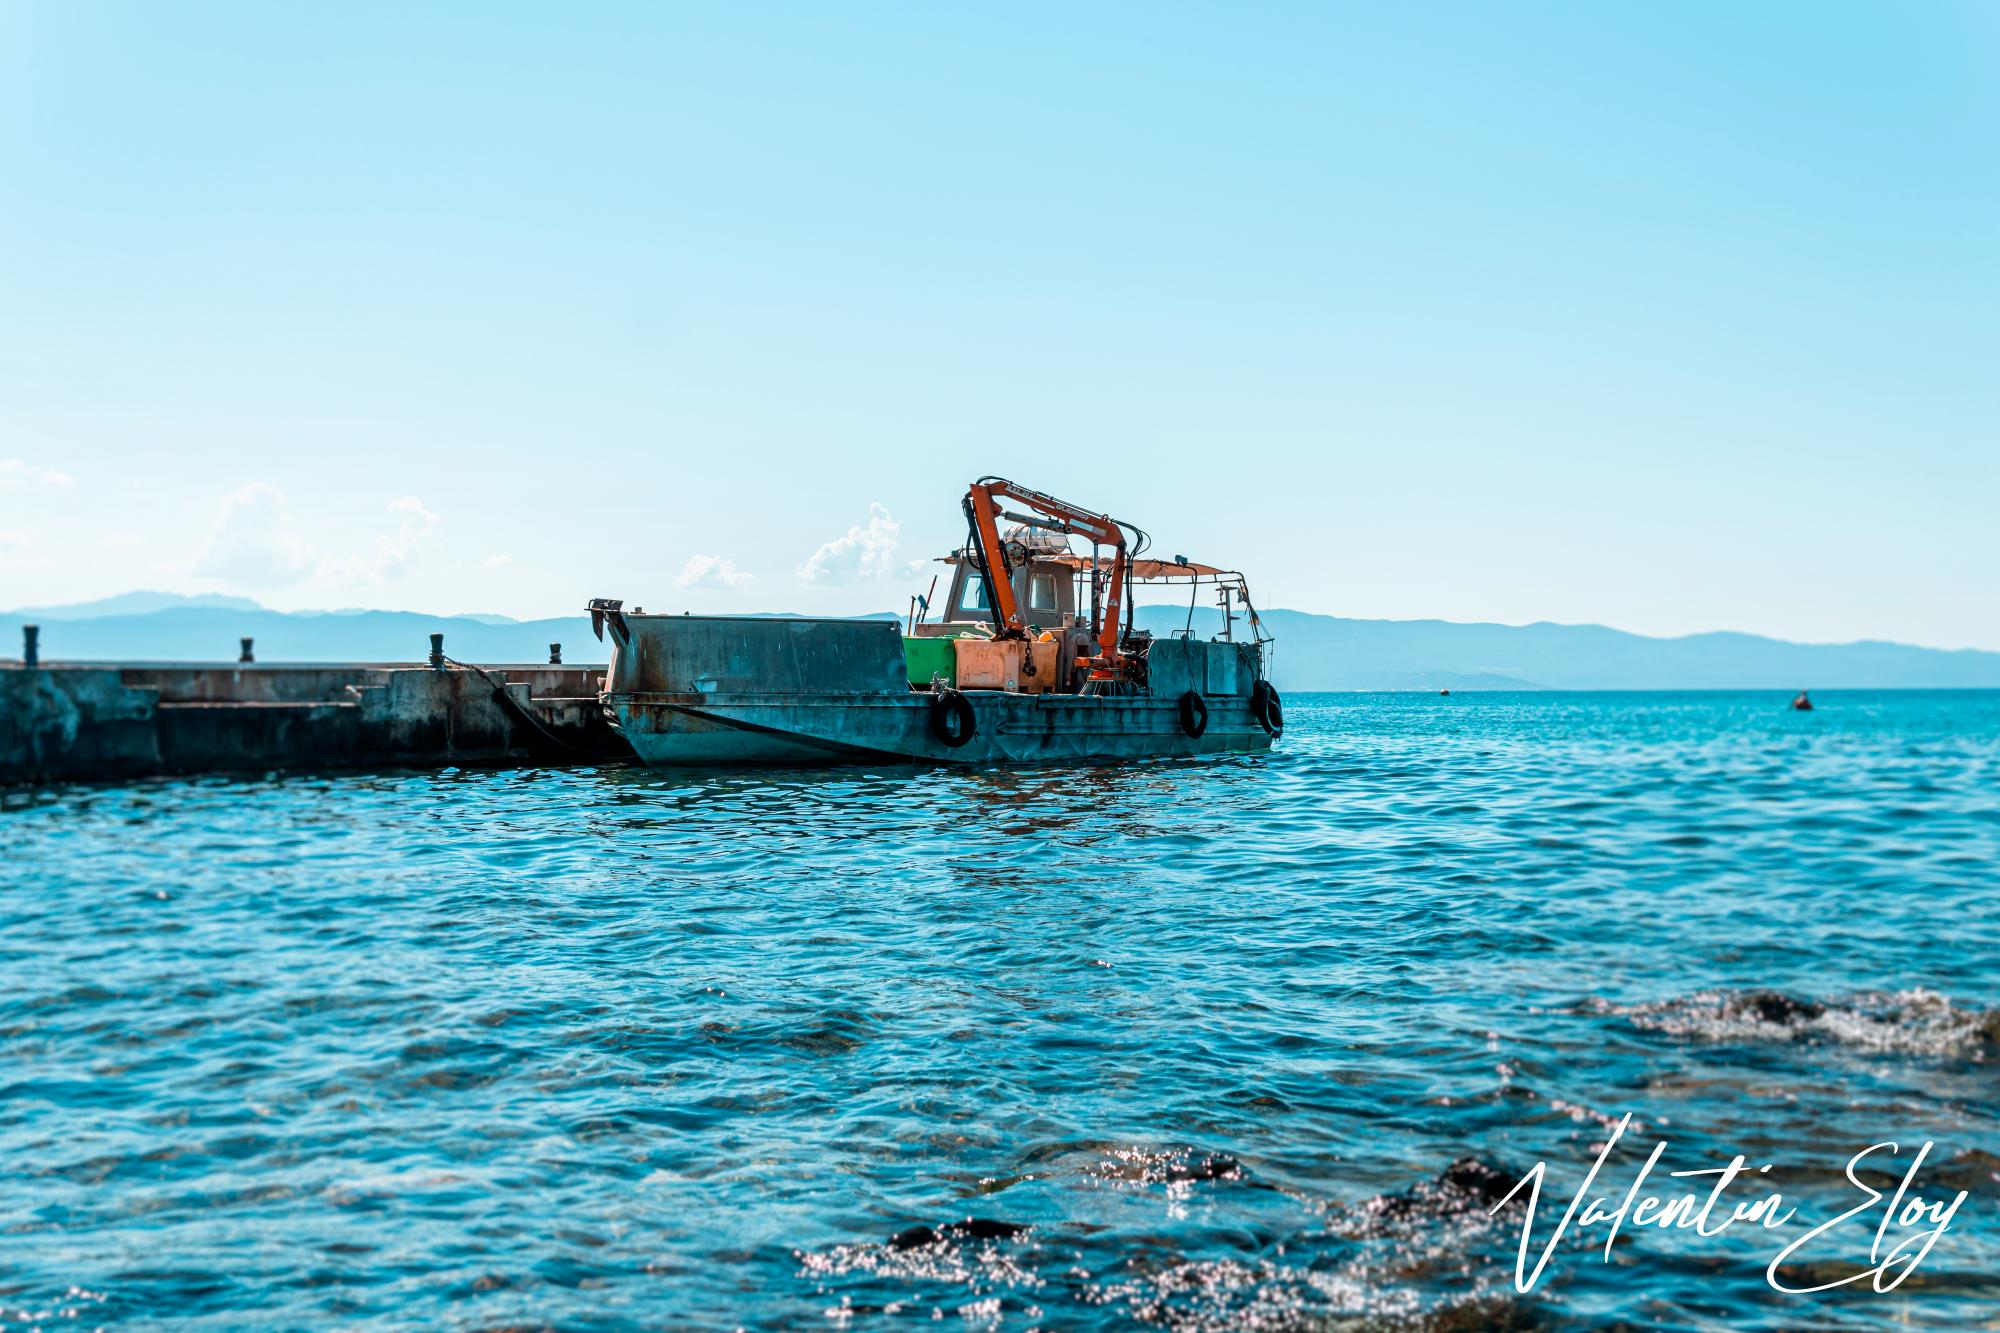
<point>1802,704</point>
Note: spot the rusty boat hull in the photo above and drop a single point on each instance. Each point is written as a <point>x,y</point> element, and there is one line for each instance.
<point>753,690</point>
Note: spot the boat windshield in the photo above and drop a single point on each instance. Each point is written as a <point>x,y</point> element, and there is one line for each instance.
<point>974,598</point>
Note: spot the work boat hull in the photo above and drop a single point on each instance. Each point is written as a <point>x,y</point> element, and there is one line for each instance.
<point>733,690</point>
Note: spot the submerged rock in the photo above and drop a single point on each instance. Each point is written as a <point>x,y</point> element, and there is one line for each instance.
<point>1213,1167</point>
<point>1469,1186</point>
<point>1917,1022</point>
<point>1772,1006</point>
<point>1177,1166</point>
<point>972,1228</point>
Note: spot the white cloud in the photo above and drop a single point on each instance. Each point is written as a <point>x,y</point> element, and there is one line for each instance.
<point>253,541</point>
<point>256,543</point>
<point>498,561</point>
<point>864,553</point>
<point>21,470</point>
<point>712,571</point>
<point>395,552</point>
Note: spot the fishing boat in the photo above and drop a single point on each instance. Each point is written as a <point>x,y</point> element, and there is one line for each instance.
<point>1031,657</point>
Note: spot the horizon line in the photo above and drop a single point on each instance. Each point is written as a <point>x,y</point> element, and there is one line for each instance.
<point>259,608</point>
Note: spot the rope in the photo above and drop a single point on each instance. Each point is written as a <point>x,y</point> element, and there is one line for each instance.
<point>514,706</point>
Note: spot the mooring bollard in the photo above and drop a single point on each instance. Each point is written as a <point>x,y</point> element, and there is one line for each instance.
<point>437,652</point>
<point>555,654</point>
<point>31,645</point>
<point>247,656</point>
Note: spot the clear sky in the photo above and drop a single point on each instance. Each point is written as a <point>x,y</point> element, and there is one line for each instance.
<point>1672,317</point>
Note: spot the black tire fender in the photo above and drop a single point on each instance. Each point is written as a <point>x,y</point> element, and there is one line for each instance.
<point>1194,714</point>
<point>952,719</point>
<point>1267,708</point>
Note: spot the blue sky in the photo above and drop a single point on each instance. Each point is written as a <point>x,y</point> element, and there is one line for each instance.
<point>1673,317</point>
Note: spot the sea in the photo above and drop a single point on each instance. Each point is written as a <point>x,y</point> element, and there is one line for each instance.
<point>1516,1011</point>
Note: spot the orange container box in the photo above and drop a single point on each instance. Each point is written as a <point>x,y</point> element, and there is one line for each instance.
<point>996,664</point>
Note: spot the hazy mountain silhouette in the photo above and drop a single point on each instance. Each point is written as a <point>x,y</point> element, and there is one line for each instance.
<point>1331,653</point>
<point>135,604</point>
<point>1313,652</point>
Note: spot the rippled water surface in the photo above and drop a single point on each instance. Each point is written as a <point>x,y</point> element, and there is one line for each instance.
<point>1249,1043</point>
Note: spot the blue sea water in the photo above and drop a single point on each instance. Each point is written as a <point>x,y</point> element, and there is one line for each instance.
<point>1251,1043</point>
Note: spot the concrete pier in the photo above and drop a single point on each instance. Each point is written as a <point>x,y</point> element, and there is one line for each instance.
<point>84,721</point>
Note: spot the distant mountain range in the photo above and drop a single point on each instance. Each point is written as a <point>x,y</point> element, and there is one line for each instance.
<point>1331,653</point>
<point>134,604</point>
<point>1313,652</point>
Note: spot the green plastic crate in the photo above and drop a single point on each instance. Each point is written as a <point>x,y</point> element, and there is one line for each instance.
<point>929,659</point>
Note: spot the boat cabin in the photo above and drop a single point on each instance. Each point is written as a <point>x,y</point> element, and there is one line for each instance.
<point>1045,578</point>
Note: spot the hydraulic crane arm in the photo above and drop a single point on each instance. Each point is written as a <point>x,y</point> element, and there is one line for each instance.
<point>982,508</point>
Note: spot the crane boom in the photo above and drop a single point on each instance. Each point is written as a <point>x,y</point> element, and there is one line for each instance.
<point>982,507</point>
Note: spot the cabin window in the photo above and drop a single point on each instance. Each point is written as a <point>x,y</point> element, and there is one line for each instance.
<point>974,596</point>
<point>1042,593</point>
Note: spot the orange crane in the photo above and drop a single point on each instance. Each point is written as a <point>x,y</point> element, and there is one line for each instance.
<point>983,512</point>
